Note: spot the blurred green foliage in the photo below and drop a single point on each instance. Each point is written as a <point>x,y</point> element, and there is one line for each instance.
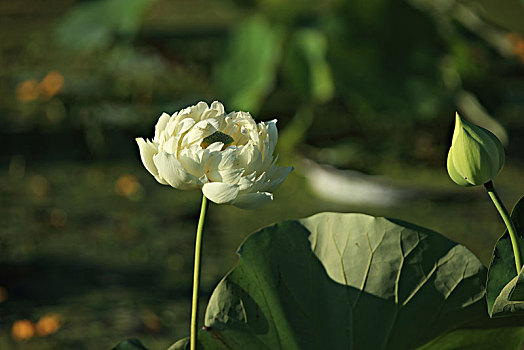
<point>248,66</point>
<point>93,25</point>
<point>360,75</point>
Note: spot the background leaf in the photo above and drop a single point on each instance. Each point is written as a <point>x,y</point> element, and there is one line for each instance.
<point>248,70</point>
<point>517,293</point>
<point>502,267</point>
<point>335,281</point>
<point>92,24</point>
<point>130,344</point>
<point>306,66</point>
<point>478,339</point>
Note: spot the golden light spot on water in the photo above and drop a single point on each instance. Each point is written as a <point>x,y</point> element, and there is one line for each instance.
<point>38,186</point>
<point>57,217</point>
<point>127,186</point>
<point>52,83</point>
<point>31,89</point>
<point>48,324</point>
<point>518,45</point>
<point>23,330</point>
<point>3,294</point>
<point>151,321</point>
<point>27,90</point>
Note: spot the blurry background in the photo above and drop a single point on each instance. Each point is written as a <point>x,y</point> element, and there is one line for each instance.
<point>93,250</point>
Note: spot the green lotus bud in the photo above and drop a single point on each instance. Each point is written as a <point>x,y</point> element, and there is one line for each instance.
<point>476,155</point>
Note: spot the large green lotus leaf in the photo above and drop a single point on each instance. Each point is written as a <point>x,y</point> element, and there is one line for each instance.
<point>502,276</point>
<point>479,339</point>
<point>504,305</point>
<point>346,281</point>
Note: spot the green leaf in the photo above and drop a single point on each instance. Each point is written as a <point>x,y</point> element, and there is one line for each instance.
<point>339,281</point>
<point>505,305</point>
<point>248,70</point>
<point>479,339</point>
<point>517,292</point>
<point>502,277</point>
<point>130,344</point>
<point>306,65</point>
<point>91,25</point>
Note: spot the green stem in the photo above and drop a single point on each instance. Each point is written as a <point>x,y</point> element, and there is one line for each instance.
<point>196,273</point>
<point>509,224</point>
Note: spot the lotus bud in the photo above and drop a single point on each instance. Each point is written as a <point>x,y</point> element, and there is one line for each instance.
<point>476,156</point>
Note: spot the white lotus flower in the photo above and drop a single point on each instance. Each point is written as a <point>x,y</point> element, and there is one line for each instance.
<point>228,156</point>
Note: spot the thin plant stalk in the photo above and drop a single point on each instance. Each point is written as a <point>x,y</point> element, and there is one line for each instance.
<point>196,273</point>
<point>507,220</point>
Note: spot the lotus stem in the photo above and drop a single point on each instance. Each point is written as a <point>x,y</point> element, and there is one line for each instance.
<point>507,220</point>
<point>196,274</point>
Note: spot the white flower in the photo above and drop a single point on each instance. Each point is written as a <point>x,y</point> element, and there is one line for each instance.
<point>228,156</point>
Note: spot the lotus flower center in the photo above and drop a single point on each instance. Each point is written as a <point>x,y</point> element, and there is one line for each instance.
<point>217,136</point>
